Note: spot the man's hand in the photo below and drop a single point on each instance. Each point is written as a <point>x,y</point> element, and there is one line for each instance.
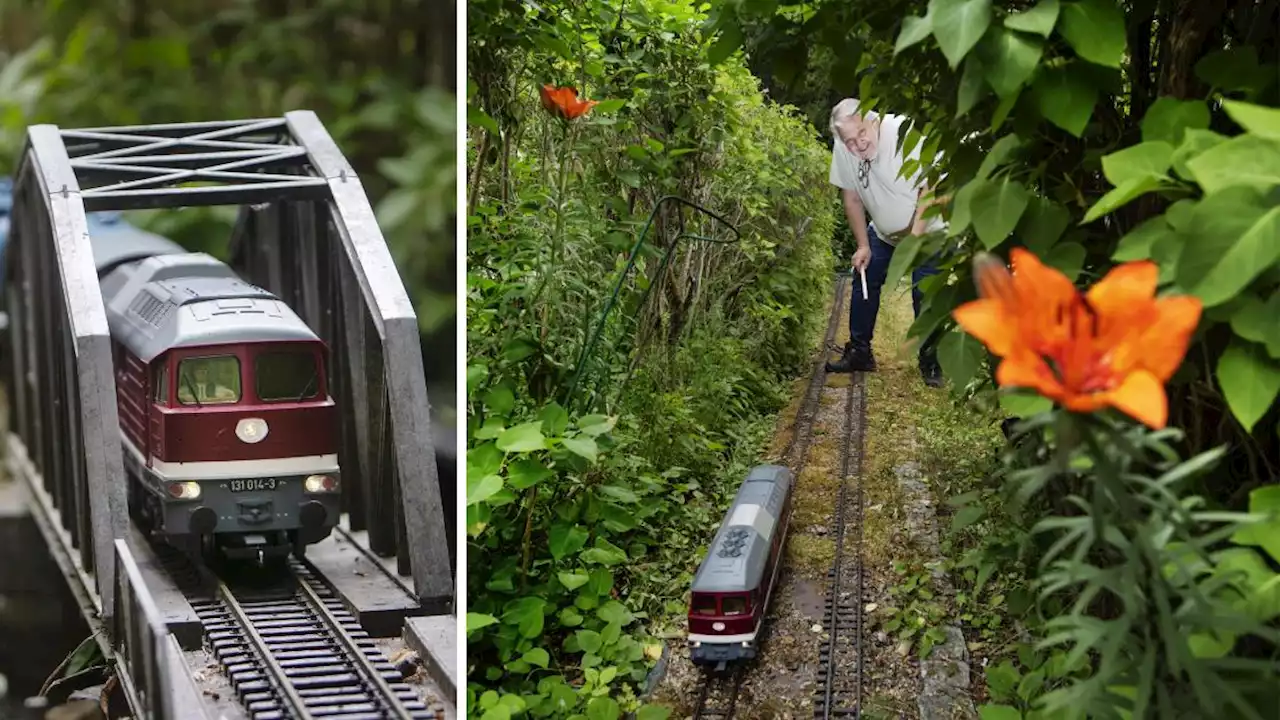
<point>862,257</point>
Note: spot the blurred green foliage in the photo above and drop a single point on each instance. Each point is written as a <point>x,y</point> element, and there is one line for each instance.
<point>380,74</point>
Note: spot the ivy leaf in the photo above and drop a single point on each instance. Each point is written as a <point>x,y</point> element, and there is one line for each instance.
<point>1249,381</point>
<point>537,656</point>
<point>1010,58</point>
<point>1259,120</point>
<point>1243,160</point>
<point>604,553</point>
<point>582,446</point>
<point>1123,195</point>
<point>1169,118</point>
<point>1095,30</point>
<point>958,25</point>
<point>615,612</point>
<point>475,621</point>
<point>1038,20</point>
<point>914,29</point>
<point>500,400</point>
<point>1148,158</point>
<point>589,640</point>
<point>480,489</point>
<point>1066,98</point>
<point>971,81</point>
<point>525,473</point>
<point>522,438</point>
<point>1230,271</point>
<point>485,459</point>
<point>554,418</point>
<point>959,354</point>
<point>996,209</point>
<point>603,708</point>
<point>565,539</point>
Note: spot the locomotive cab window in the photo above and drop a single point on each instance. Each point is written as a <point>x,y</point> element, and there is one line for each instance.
<point>160,383</point>
<point>286,376</point>
<point>734,604</point>
<point>704,605</point>
<point>209,380</point>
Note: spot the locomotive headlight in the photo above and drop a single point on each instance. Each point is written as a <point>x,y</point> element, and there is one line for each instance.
<point>717,626</point>
<point>320,483</point>
<point>184,490</point>
<point>251,430</point>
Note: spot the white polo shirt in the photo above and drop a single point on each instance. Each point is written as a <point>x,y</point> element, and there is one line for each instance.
<point>890,200</point>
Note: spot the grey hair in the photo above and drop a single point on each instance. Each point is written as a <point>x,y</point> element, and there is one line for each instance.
<point>843,109</point>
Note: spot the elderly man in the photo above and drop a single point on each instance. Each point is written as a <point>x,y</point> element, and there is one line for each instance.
<point>865,165</point>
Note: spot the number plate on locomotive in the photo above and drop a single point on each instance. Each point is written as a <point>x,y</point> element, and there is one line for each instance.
<point>253,485</point>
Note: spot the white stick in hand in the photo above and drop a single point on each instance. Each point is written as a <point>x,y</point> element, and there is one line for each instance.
<point>863,273</point>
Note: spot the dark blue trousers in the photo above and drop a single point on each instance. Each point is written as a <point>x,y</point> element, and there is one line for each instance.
<point>862,313</point>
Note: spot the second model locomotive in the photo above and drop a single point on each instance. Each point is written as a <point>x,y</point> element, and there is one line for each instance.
<point>732,588</point>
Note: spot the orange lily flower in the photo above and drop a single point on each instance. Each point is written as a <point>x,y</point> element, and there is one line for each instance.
<point>1115,345</point>
<point>563,102</point>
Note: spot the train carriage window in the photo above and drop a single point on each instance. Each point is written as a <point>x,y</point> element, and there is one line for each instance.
<point>286,375</point>
<point>209,380</point>
<point>160,383</point>
<point>734,605</point>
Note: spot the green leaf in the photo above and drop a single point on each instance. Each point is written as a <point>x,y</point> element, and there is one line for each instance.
<point>996,209</point>
<point>1122,195</point>
<point>1137,243</point>
<point>962,208</point>
<point>537,656</point>
<point>1254,320</point>
<point>959,354</point>
<point>476,116</point>
<point>596,425</point>
<point>1024,405</point>
<point>1038,20</point>
<point>1243,160</point>
<point>500,400</point>
<point>615,612</point>
<point>1249,380</point>
<point>1234,69</point>
<point>966,516</point>
<point>1138,161</point>
<point>606,107</point>
<point>522,438</point>
<point>1066,98</point>
<point>526,472</point>
<point>1067,257</point>
<point>1095,30</point>
<point>482,488</point>
<point>1010,60</point>
<point>604,553</point>
<point>573,580</point>
<point>583,446</point>
<point>1194,143</point>
<point>914,29</point>
<point>589,640</point>
<point>1000,153</point>
<point>971,83</point>
<point>653,712</point>
<point>1169,118</point>
<point>1264,533</point>
<point>565,539</point>
<point>1259,120</point>
<point>554,418</point>
<point>526,614</point>
<point>958,25</point>
<point>603,708</point>
<point>1042,224</point>
<point>730,39</point>
<point>1233,270</point>
<point>475,621</point>
<point>903,256</point>
<point>998,712</point>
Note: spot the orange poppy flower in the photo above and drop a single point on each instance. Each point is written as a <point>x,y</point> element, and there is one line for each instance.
<point>1115,345</point>
<point>563,102</point>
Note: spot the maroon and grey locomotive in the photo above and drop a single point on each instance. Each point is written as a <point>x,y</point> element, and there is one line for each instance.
<point>229,433</point>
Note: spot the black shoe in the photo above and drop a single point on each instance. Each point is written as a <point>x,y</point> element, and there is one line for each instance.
<point>853,360</point>
<point>932,376</point>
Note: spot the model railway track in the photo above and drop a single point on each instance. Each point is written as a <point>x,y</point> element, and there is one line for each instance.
<point>291,651</point>
<point>718,694</point>
<point>839,690</point>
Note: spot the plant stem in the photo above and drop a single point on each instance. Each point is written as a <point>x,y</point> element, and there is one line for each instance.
<point>528,535</point>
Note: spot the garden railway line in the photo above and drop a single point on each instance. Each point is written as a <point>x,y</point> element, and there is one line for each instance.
<point>838,687</point>
<point>306,236</point>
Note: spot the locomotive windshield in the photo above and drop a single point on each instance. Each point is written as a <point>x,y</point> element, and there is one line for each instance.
<point>733,605</point>
<point>209,380</point>
<point>286,375</point>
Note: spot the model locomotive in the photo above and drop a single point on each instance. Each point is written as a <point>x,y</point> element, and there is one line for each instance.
<point>732,588</point>
<point>229,435</point>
